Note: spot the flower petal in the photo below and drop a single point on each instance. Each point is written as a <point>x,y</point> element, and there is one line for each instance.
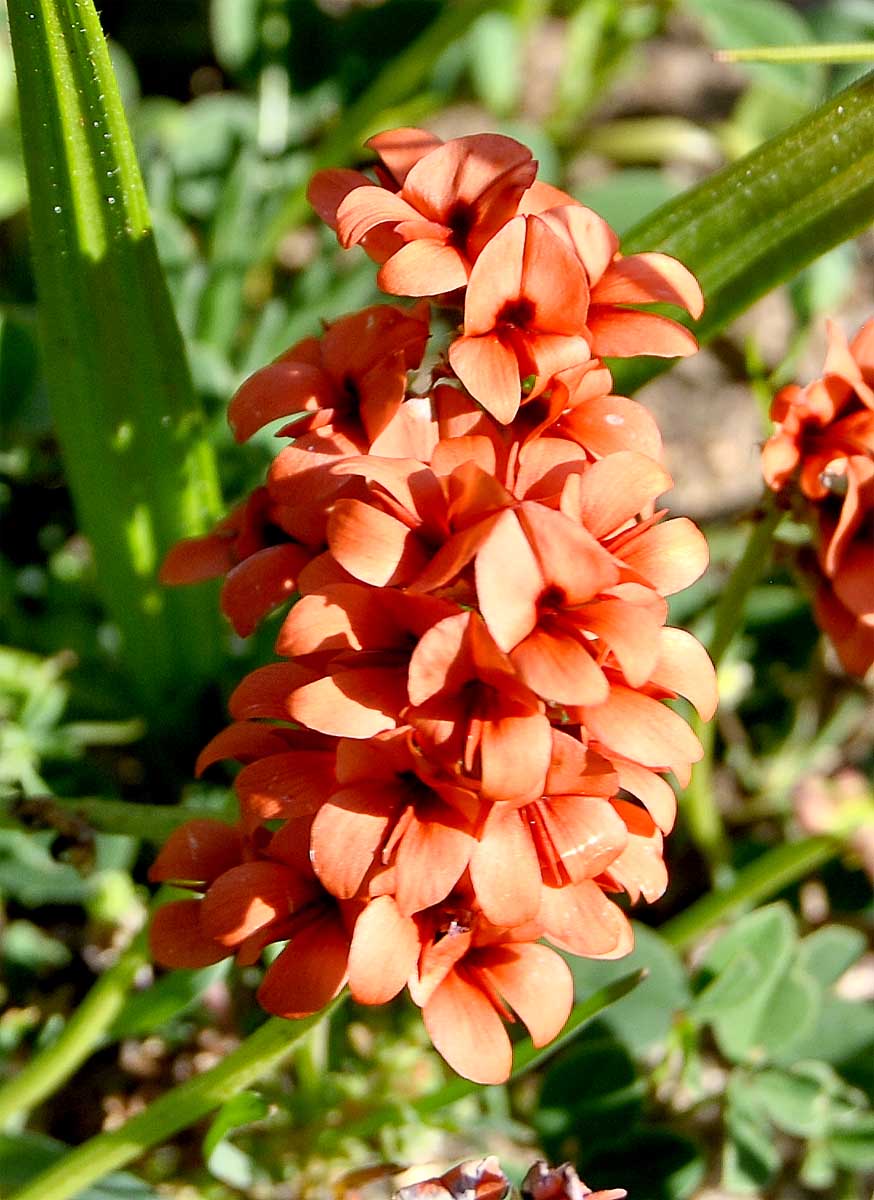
<point>278,390</point>
<point>617,489</point>
<point>535,982</point>
<point>176,939</point>
<point>488,369</point>
<point>643,730</point>
<point>624,332</point>
<point>286,785</point>
<point>508,582</point>
<point>348,833</point>
<point>606,424</point>
<point>557,665</point>
<point>504,868</point>
<point>467,1032</point>
<point>197,852</point>
<point>261,583</point>
<point>250,896</point>
<point>383,954</point>
<point>648,279</point>
<point>670,556</point>
<point>374,546</point>
<point>581,919</point>
<point>309,972</point>
<point>684,667</point>
<point>357,703</point>
<point>431,857</point>
<point>585,831</point>
<point>423,267</point>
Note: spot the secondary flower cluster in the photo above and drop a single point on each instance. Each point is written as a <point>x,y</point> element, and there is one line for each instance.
<point>823,451</point>
<point>483,1179</point>
<point>463,749</point>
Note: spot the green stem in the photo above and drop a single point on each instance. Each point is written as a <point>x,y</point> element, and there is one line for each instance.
<point>54,1065</point>
<point>771,873</point>
<point>728,615</point>
<point>700,809</point>
<point>265,1049</point>
<point>838,52</point>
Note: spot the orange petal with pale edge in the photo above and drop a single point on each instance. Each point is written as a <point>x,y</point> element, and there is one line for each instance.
<point>278,390</point>
<point>670,556</point>
<point>618,488</point>
<point>176,939</point>
<point>431,857</point>
<point>643,730</point>
<point>515,753</point>
<point>655,793</point>
<point>535,982</point>
<point>348,833</point>
<point>260,583</point>
<point>684,667</point>
<point>640,868</point>
<point>496,278</point>
<point>488,369</point>
<point>328,188</point>
<point>648,279</point>
<point>581,919</point>
<point>250,896</point>
<point>365,207</point>
<point>383,954</point>
<point>504,869</point>
<point>374,546</point>
<point>607,424</point>
<point>309,972</point>
<point>467,1031</point>
<point>632,633</point>
<point>570,557</point>
<point>197,852</point>
<point>558,666</point>
<point>356,703</point>
<point>508,582</point>
<point>424,267</point>
<point>624,333</point>
<point>400,149</point>
<point>585,831</point>
<point>554,282</point>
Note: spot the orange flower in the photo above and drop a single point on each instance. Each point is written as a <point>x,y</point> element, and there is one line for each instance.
<point>451,203</point>
<point>525,313</point>
<point>351,379</point>
<point>615,281</point>
<point>391,809</point>
<point>471,974</point>
<point>480,1179</point>
<point>825,437</point>
<point>472,711</point>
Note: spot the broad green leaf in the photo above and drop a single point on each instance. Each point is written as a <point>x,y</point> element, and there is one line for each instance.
<point>790,1017</point>
<point>768,938</point>
<point>613,1094</point>
<point>828,952</point>
<point>796,1102</point>
<point>756,223</point>
<point>140,468</point>
<point>750,1158</point>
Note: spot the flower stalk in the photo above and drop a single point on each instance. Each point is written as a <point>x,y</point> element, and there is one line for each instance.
<point>698,802</point>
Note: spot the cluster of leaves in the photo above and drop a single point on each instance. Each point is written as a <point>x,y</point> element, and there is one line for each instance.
<point>755,1064</point>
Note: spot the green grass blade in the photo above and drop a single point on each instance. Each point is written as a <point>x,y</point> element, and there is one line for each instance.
<point>756,223</point>
<point>139,466</point>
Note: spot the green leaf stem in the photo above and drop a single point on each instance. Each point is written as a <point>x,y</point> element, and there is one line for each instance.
<point>140,468</point>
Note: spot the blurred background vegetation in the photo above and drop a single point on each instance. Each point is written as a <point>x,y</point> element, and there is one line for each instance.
<point>233,104</point>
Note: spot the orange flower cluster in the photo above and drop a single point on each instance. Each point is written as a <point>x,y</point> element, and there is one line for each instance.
<point>483,1179</point>
<point>465,740</point>
<point>823,449</point>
